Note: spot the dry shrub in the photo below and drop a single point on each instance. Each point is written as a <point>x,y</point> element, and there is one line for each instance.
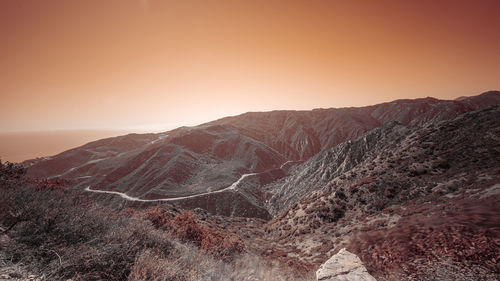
<point>460,239</point>
<point>222,246</point>
<point>58,232</point>
<point>250,267</point>
<point>158,218</point>
<point>113,257</point>
<point>184,225</point>
<point>10,171</point>
<point>186,263</point>
<point>189,264</point>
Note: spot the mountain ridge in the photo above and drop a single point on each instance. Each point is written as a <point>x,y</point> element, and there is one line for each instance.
<point>414,209</point>
<point>211,156</point>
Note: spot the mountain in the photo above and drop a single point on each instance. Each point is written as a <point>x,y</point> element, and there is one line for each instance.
<point>422,205</point>
<point>330,163</point>
<point>252,160</point>
<point>405,190</point>
<point>179,163</point>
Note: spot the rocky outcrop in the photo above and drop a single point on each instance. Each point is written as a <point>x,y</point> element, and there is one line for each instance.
<point>344,266</point>
<point>409,207</point>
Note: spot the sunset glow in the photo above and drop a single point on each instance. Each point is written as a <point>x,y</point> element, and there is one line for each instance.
<point>153,65</point>
<point>297,140</point>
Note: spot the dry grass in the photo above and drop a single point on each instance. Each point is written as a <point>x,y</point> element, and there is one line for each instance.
<point>55,231</point>
<point>222,245</point>
<point>191,266</point>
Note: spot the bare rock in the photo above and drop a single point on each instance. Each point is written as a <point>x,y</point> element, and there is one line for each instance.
<point>344,266</point>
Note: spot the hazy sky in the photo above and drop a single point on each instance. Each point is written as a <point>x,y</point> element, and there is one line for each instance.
<point>121,64</point>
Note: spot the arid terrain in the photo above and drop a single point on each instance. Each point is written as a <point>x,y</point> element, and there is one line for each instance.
<point>411,187</point>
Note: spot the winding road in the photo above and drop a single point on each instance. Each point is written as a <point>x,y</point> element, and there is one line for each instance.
<point>130,198</point>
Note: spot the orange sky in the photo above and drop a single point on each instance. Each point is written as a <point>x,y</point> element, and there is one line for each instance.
<point>158,64</point>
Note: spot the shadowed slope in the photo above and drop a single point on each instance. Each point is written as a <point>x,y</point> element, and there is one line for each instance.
<point>212,156</point>
<point>423,204</point>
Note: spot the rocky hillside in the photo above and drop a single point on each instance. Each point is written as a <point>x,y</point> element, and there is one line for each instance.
<point>241,158</point>
<point>330,163</point>
<point>420,207</point>
<point>179,163</point>
<point>299,135</point>
<point>405,190</point>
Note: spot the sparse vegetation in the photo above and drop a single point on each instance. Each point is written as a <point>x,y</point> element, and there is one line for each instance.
<point>419,204</point>
<point>185,227</point>
<point>430,214</point>
<point>57,232</point>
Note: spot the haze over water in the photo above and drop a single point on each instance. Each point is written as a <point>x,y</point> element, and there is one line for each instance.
<point>144,64</point>
<point>19,146</point>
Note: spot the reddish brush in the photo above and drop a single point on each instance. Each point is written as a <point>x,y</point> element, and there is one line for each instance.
<point>187,229</point>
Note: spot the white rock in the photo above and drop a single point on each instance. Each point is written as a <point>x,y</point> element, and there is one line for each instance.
<point>344,266</point>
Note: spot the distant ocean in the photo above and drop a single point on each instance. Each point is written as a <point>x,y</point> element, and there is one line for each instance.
<point>20,146</point>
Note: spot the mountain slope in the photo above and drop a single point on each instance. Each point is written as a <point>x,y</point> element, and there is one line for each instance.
<point>423,206</point>
<point>330,163</point>
<point>299,135</point>
<point>212,156</point>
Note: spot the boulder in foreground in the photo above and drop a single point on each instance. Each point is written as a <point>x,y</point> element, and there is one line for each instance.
<point>344,266</point>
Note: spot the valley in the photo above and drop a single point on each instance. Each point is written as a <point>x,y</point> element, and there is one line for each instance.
<point>410,195</point>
